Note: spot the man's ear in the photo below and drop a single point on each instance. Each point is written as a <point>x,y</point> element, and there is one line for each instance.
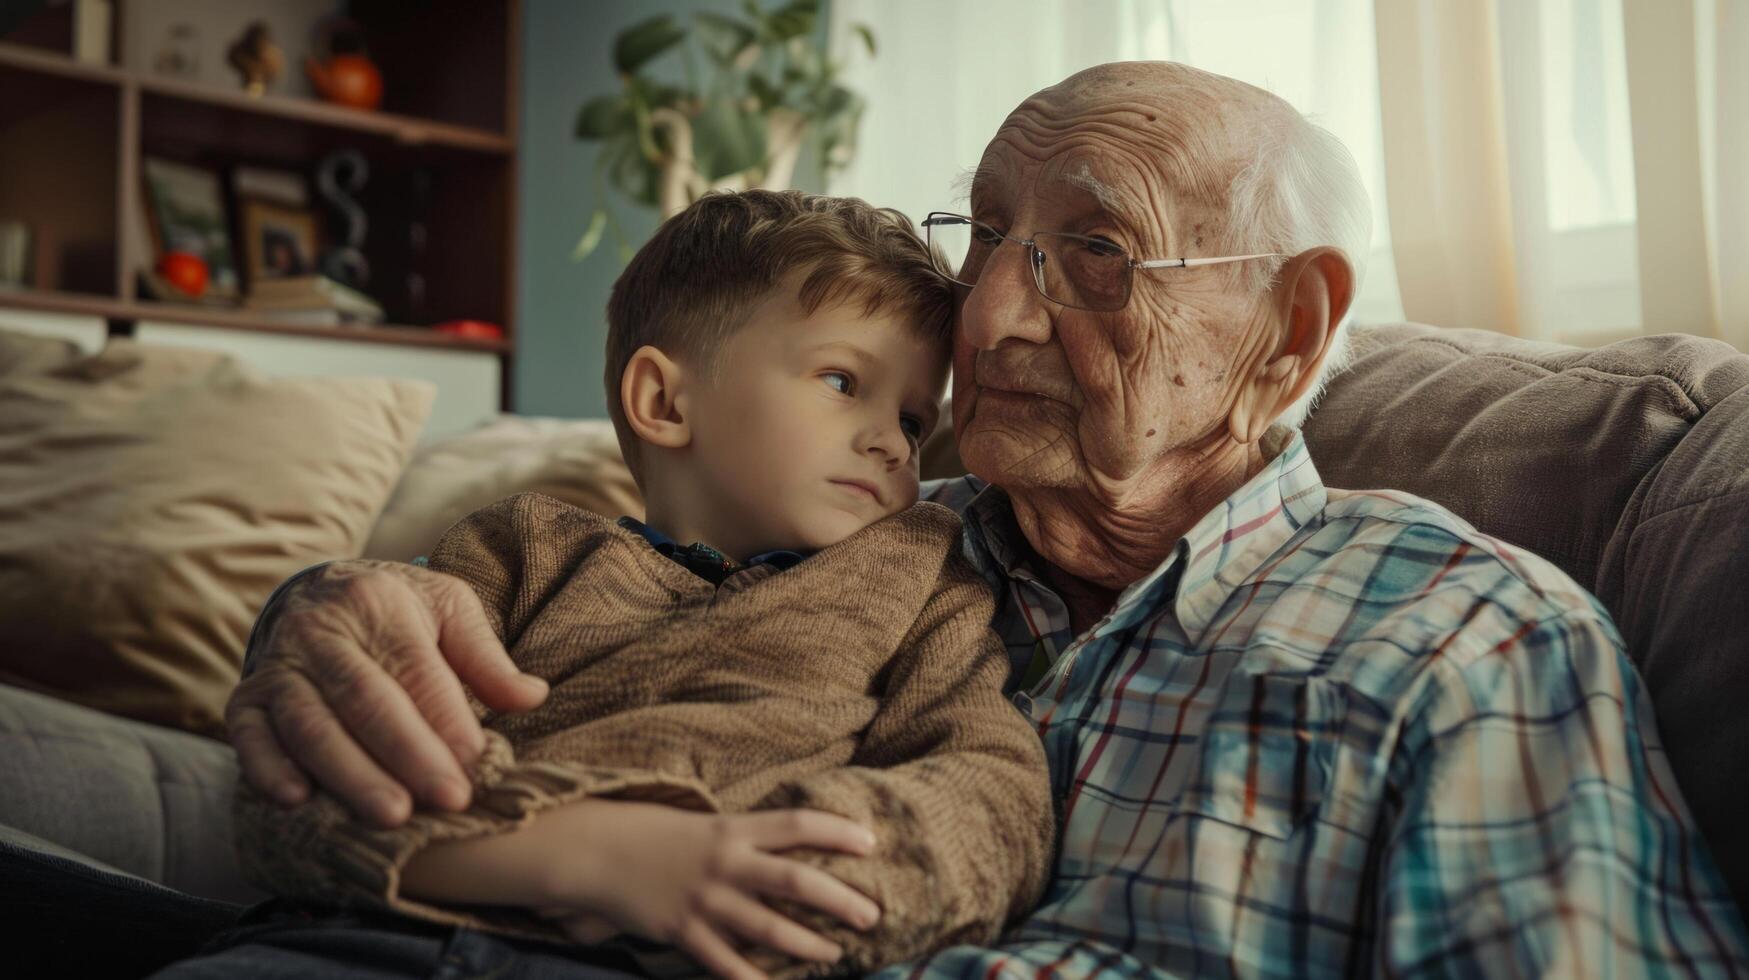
<point>1312,295</point>
<point>652,394</point>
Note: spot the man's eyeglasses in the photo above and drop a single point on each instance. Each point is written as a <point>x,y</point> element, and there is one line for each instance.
<point>1072,270</point>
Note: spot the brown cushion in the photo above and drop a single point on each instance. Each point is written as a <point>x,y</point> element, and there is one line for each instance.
<point>575,461</point>
<point>1628,466</point>
<point>152,497</point>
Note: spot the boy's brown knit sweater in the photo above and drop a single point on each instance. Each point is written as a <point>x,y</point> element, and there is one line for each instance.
<point>864,681</point>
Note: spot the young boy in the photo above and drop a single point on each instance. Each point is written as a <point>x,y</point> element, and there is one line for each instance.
<point>775,360</point>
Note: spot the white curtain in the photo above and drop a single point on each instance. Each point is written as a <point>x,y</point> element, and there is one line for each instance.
<point>1570,170</point>
<point>1612,135</point>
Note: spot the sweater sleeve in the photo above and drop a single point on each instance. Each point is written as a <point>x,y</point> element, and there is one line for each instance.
<point>514,554</point>
<point>952,780</point>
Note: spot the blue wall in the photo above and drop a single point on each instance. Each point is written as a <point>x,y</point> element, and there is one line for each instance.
<point>561,321</point>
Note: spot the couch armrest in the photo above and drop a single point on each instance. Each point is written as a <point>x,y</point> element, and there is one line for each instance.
<point>146,800</point>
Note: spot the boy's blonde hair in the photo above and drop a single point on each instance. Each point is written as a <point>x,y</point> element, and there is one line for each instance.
<point>696,282</point>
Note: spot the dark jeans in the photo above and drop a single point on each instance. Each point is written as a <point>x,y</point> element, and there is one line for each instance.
<point>63,918</point>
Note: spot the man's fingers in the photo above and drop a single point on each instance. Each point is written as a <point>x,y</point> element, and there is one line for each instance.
<point>474,653</point>
<point>779,830</point>
<point>384,719</point>
<point>763,927</point>
<point>264,763</point>
<point>315,740</point>
<point>804,884</point>
<point>714,953</point>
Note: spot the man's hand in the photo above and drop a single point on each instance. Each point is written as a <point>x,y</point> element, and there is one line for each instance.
<point>358,684</point>
<point>696,881</point>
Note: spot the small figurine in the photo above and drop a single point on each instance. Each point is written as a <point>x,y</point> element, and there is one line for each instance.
<point>256,58</point>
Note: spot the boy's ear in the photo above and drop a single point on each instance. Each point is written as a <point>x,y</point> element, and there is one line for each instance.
<point>652,395</point>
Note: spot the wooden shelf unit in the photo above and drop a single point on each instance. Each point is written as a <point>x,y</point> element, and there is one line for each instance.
<point>73,135</point>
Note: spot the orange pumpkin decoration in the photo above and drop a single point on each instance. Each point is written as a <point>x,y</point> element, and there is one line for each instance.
<point>347,79</point>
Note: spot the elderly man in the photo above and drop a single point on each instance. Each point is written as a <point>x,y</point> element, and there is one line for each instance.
<point>1294,731</point>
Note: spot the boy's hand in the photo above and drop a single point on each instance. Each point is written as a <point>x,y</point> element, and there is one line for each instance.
<point>696,880</point>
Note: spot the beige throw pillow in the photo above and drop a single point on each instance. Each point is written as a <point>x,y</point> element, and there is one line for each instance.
<point>20,352</point>
<point>150,500</point>
<point>577,461</point>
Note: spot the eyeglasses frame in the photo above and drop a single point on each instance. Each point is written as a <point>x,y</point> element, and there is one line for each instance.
<point>1036,259</point>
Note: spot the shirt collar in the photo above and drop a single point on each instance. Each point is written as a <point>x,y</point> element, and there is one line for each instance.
<point>703,560</point>
<point>994,542</point>
<point>1233,541</point>
<point>1221,551</point>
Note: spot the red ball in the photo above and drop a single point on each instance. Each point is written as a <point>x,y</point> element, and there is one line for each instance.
<point>473,329</point>
<point>184,270</point>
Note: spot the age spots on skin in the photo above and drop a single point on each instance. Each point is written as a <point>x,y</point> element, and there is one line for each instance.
<point>1178,379</point>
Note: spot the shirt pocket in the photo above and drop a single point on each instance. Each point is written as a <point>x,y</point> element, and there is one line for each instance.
<point>1267,753</point>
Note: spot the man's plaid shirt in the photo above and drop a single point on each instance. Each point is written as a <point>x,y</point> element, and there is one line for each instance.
<point>1344,733</point>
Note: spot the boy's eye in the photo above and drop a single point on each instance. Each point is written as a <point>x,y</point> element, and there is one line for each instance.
<point>913,427</point>
<point>840,381</point>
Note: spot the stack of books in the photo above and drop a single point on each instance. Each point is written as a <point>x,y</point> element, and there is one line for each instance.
<point>316,300</point>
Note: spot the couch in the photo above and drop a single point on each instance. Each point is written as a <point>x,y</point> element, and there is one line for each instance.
<point>1627,466</point>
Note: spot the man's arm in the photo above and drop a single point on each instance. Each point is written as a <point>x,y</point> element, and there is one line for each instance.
<point>952,780</point>
<point>359,679</point>
<point>270,612</point>
<point>1540,830</point>
<point>558,832</point>
<point>318,851</point>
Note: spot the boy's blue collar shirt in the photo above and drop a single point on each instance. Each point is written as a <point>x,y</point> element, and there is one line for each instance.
<point>1338,733</point>
<point>704,561</point>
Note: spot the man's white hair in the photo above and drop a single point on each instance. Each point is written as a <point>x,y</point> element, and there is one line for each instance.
<point>1301,190</point>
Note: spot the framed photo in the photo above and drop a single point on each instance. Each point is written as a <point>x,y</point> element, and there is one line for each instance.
<point>279,240</point>
<point>252,183</point>
<point>186,213</point>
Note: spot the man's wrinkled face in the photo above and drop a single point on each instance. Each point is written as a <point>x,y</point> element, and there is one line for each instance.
<point>1047,396</point>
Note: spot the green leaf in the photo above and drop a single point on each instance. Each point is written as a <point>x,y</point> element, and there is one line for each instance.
<point>634,176</point>
<point>867,36</point>
<point>804,56</point>
<point>591,235</point>
<point>838,134</point>
<point>654,94</point>
<point>764,91</point>
<point>727,139</point>
<point>637,44</point>
<point>645,132</point>
<point>837,99</point>
<point>787,24</point>
<point>723,38</point>
<point>603,116</point>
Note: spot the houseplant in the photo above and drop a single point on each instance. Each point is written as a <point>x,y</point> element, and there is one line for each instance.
<point>753,89</point>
